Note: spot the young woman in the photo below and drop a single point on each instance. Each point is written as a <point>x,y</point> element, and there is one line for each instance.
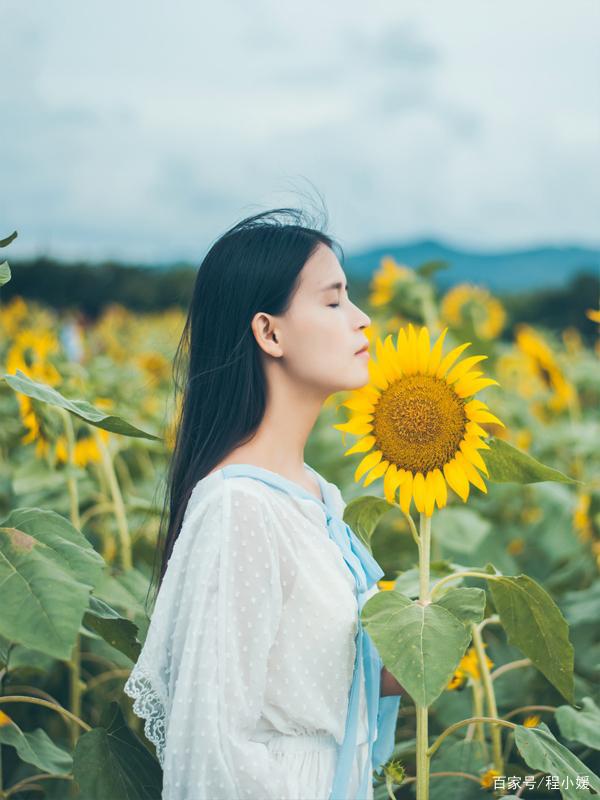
<point>255,680</point>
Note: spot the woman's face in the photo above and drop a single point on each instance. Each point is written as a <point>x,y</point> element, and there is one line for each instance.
<point>322,330</point>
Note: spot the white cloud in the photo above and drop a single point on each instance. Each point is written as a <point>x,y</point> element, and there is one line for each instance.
<point>144,130</point>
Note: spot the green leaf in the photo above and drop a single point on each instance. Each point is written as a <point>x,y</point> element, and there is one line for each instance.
<point>363,513</point>
<point>111,762</point>
<point>112,627</point>
<point>5,275</point>
<point>534,623</point>
<point>541,751</point>
<point>8,240</point>
<point>508,464</point>
<point>582,726</point>
<point>36,748</point>
<point>420,645</point>
<point>47,569</point>
<point>81,408</point>
<point>467,605</point>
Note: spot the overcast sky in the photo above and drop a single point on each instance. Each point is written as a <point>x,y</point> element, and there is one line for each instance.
<point>142,130</point>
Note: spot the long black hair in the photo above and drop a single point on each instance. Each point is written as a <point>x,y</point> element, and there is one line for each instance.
<point>252,267</point>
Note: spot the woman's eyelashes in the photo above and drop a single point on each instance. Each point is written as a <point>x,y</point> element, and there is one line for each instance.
<point>333,305</point>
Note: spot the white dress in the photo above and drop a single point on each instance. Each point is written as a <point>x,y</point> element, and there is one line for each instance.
<point>244,675</point>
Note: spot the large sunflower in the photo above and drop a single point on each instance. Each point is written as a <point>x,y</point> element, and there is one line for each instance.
<point>418,428</point>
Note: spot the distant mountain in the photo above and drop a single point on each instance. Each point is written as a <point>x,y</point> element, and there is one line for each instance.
<point>509,271</point>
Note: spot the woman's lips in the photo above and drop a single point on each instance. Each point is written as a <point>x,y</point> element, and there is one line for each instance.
<point>363,353</point>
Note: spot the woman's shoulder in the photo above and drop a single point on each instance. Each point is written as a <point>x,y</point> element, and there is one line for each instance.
<point>214,490</point>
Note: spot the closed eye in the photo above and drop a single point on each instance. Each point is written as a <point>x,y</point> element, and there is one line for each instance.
<point>333,305</point>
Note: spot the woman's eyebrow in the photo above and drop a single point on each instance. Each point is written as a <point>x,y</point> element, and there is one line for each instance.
<point>337,285</point>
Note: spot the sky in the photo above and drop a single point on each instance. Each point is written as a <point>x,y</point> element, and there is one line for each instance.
<point>141,131</point>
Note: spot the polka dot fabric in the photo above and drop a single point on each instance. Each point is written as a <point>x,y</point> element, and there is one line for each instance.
<point>244,675</point>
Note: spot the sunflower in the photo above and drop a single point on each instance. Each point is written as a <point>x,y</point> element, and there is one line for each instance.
<point>466,301</point>
<point>418,430</point>
<point>384,280</point>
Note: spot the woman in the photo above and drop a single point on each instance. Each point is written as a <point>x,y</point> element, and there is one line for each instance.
<point>250,680</point>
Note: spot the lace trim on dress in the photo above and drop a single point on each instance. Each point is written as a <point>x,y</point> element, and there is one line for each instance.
<point>148,705</point>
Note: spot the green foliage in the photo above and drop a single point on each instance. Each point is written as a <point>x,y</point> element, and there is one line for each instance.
<point>534,624</point>
<point>541,750</point>
<point>110,762</point>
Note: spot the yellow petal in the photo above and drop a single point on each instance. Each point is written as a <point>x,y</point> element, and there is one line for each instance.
<point>423,350</point>
<point>473,456</point>
<point>472,475</point>
<point>366,464</point>
<point>359,425</point>
<point>391,358</point>
<point>485,416</point>
<point>411,351</point>
<point>468,388</point>
<point>390,483</point>
<point>474,428</point>
<point>377,375</point>
<point>450,358</point>
<point>383,361</point>
<point>440,483</point>
<point>457,480</point>
<point>402,350</point>
<point>376,472</point>
<point>436,353</point>
<point>462,368</point>
<point>364,444</point>
<point>372,393</point>
<point>406,492</point>
<point>359,403</point>
<point>430,493</point>
<point>419,492</point>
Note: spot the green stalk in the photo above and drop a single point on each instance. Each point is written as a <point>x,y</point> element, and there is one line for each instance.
<point>478,709</point>
<point>71,480</point>
<point>74,663</point>
<point>422,711</point>
<point>117,498</point>
<point>488,690</point>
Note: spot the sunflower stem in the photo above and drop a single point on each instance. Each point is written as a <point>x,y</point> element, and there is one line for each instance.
<point>74,663</point>
<point>488,690</point>
<point>117,499</point>
<point>422,711</point>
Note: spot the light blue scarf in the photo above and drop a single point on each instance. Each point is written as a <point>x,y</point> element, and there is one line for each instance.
<point>382,712</point>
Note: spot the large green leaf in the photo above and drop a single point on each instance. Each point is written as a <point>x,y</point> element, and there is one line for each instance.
<point>47,569</point>
<point>540,750</point>
<point>533,623</point>
<point>508,464</point>
<point>420,645</point>
<point>363,513</point>
<point>57,532</point>
<point>112,627</point>
<point>4,273</point>
<point>467,605</point>
<point>81,408</point>
<point>111,762</point>
<point>582,726</point>
<point>36,748</point>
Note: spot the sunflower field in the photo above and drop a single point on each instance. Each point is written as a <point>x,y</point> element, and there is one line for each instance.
<point>469,464</point>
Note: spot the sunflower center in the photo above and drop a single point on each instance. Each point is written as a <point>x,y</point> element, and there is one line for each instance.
<point>419,423</point>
